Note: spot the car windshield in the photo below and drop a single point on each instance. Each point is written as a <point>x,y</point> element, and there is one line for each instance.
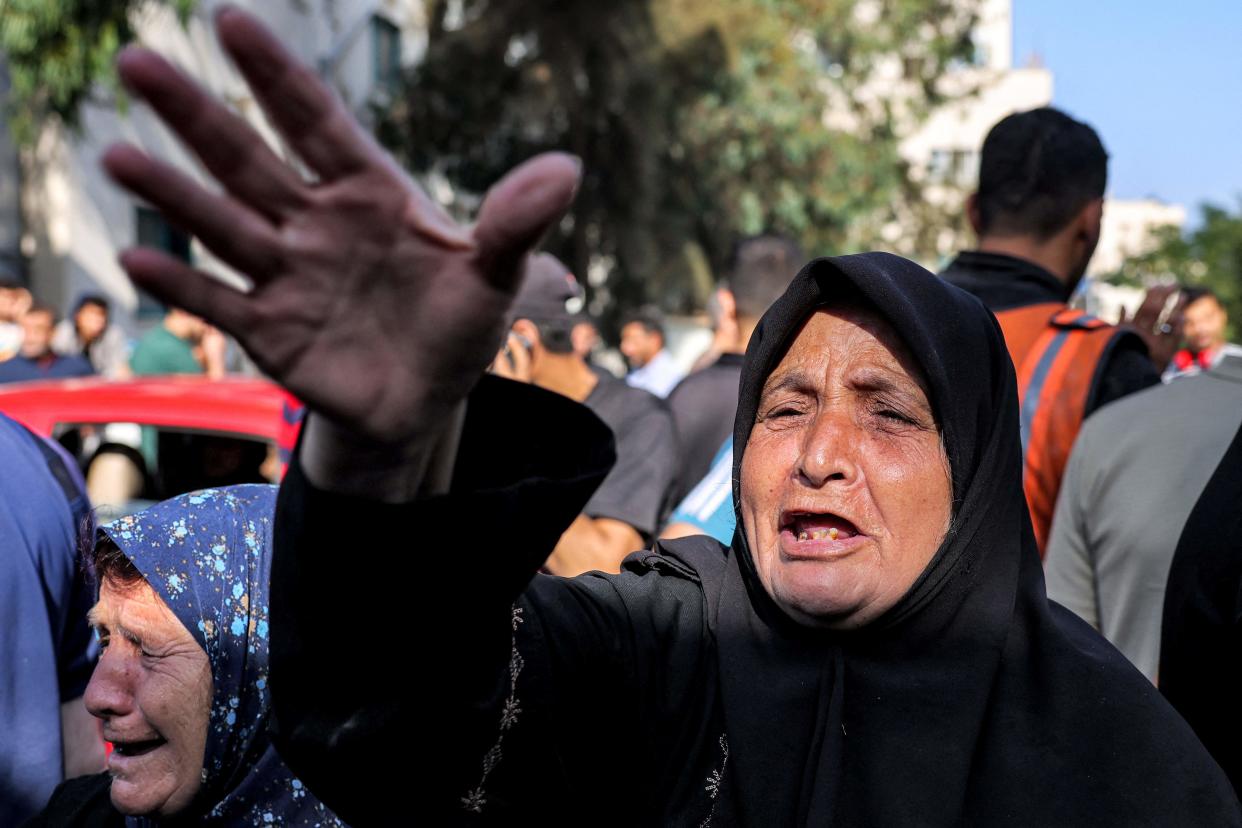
<point>128,466</point>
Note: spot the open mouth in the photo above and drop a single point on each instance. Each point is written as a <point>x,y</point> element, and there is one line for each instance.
<point>136,748</point>
<point>818,526</point>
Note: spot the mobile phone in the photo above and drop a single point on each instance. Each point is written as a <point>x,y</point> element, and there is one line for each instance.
<point>523,341</point>
<point>1170,304</point>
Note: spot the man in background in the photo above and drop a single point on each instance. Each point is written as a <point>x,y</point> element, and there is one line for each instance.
<point>1037,213</point>
<point>181,344</point>
<point>1135,474</point>
<point>1204,332</point>
<point>626,511</point>
<point>88,332</point>
<point>705,402</point>
<point>643,344</point>
<point>15,300</point>
<point>36,359</point>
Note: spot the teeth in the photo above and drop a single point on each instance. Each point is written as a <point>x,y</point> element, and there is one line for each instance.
<point>819,534</point>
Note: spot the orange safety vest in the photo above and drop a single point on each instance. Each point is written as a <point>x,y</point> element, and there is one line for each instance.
<point>1057,353</point>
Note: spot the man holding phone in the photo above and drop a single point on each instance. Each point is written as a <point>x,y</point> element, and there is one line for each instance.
<point>630,504</point>
<point>1037,213</point>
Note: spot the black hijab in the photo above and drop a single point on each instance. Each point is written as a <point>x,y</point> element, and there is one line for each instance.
<point>973,700</point>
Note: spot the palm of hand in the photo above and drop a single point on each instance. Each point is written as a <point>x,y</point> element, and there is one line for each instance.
<point>368,302</point>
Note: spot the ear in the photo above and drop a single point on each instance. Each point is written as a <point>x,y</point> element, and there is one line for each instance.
<point>972,213</point>
<point>1090,220</point>
<point>529,330</point>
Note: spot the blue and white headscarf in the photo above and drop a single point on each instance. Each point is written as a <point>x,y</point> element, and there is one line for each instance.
<point>208,555</point>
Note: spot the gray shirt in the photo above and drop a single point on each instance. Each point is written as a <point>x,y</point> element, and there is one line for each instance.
<point>637,491</point>
<point>1135,473</point>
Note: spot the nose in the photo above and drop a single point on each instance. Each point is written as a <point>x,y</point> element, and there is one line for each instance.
<point>828,449</point>
<point>109,694</point>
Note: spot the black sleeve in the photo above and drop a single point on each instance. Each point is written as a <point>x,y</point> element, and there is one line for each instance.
<point>414,666</point>
<point>1126,368</point>
<point>81,802</point>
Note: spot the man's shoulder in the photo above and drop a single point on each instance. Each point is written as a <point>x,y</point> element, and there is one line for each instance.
<point>615,399</point>
<point>722,372</point>
<point>1160,413</point>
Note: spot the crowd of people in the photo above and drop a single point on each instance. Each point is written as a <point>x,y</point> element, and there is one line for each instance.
<point>35,344</point>
<point>806,584</point>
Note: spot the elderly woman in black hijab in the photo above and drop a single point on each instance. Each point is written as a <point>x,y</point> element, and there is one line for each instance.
<point>875,648</point>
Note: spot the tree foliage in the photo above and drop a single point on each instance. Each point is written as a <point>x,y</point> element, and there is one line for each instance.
<point>699,121</point>
<point>57,50</point>
<point>1209,255</point>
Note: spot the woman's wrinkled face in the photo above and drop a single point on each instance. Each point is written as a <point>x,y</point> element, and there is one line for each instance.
<point>845,491</point>
<point>152,689</point>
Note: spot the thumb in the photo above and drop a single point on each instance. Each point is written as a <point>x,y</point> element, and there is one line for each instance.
<point>519,209</point>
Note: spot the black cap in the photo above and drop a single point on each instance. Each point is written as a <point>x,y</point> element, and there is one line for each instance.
<point>548,291</point>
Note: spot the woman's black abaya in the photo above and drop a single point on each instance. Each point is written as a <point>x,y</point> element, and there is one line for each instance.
<point>677,693</point>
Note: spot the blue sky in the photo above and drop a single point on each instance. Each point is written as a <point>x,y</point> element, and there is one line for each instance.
<point>1160,81</point>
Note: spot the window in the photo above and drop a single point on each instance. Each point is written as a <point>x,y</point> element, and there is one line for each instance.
<point>155,231</point>
<point>385,54</point>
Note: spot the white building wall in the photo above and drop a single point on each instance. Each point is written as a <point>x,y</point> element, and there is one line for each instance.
<point>1127,230</point>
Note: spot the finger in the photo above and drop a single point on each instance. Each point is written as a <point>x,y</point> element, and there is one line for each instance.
<point>300,105</point>
<point>238,235</point>
<point>175,283</point>
<point>501,366</point>
<point>227,145</point>
<point>519,210</point>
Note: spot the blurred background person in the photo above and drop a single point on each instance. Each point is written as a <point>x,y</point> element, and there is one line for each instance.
<point>182,344</point>
<point>1037,213</point>
<point>643,343</point>
<point>15,300</point>
<point>89,333</point>
<point>36,360</point>
<point>626,511</point>
<point>1135,473</point>
<point>46,647</point>
<point>1205,322</point>
<point>182,684</point>
<point>704,403</point>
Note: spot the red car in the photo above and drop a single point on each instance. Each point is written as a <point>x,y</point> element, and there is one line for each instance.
<point>151,438</point>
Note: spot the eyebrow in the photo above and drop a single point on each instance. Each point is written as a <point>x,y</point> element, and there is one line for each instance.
<point>794,380</point>
<point>884,383</point>
<point>95,618</point>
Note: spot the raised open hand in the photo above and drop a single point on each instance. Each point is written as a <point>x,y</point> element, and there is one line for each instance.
<point>368,302</point>
<point>1159,322</point>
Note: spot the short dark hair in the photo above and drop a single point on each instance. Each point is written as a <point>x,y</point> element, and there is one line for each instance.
<point>40,307</point>
<point>650,318</point>
<point>1193,293</point>
<point>91,299</point>
<point>556,335</point>
<point>1038,169</point>
<point>108,562</point>
<point>763,267</point>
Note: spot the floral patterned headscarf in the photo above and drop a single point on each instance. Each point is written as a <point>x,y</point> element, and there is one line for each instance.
<point>208,556</point>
